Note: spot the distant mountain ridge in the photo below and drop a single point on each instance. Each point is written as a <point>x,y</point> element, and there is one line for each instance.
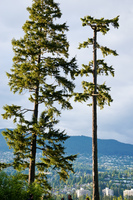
<point>83,145</point>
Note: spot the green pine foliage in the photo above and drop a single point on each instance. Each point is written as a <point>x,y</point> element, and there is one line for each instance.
<point>103,97</point>
<point>14,187</point>
<point>41,66</point>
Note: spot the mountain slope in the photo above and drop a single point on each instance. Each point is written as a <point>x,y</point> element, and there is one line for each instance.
<point>83,145</point>
<point>3,145</point>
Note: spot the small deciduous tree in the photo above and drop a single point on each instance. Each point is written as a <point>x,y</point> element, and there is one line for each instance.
<point>99,93</point>
<point>42,67</point>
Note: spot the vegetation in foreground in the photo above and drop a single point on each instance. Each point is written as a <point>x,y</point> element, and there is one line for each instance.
<point>14,187</point>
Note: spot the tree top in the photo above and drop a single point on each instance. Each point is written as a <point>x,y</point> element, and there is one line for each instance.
<point>101,25</point>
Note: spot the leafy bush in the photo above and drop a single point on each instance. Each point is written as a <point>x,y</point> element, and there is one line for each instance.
<point>14,187</point>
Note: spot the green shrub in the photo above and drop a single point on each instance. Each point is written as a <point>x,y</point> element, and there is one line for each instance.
<point>14,187</point>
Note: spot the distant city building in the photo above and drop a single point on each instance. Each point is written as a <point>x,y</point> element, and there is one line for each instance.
<point>108,192</point>
<point>82,192</point>
<point>128,193</point>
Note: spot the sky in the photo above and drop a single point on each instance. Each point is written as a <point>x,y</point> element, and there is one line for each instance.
<point>115,121</point>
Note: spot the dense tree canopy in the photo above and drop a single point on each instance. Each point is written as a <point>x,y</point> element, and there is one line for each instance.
<point>41,66</point>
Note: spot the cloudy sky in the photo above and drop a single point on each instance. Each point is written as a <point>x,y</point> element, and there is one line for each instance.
<point>114,122</point>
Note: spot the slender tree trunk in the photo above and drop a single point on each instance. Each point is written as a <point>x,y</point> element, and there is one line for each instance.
<point>34,136</point>
<point>94,123</point>
<point>33,145</point>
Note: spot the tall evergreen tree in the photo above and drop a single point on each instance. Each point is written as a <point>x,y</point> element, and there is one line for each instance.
<point>42,67</point>
<point>99,93</point>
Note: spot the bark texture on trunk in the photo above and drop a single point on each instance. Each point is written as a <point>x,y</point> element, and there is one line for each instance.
<point>33,143</point>
<point>34,136</point>
<point>94,123</point>
<point>32,160</point>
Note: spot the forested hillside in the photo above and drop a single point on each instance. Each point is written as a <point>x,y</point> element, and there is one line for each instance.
<point>83,145</point>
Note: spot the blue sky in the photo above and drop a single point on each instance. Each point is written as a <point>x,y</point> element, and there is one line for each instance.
<point>114,122</point>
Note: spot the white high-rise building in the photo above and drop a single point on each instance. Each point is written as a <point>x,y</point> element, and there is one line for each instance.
<point>108,192</point>
<point>128,193</point>
<point>82,192</point>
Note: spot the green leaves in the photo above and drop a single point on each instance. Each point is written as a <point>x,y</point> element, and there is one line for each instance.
<point>97,25</point>
<point>103,96</point>
<point>86,44</point>
<point>101,25</point>
<point>91,89</point>
<point>106,51</point>
<point>12,111</point>
<point>102,69</point>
